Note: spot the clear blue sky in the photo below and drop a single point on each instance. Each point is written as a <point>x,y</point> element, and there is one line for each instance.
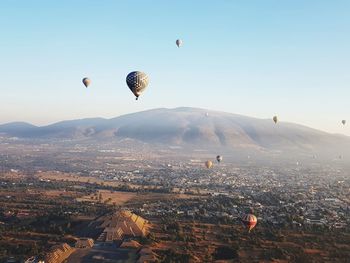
<point>256,58</point>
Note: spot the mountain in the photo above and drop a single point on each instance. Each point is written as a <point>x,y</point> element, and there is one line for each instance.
<point>186,127</point>
<point>18,129</point>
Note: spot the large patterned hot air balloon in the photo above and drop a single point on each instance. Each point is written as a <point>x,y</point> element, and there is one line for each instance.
<point>249,220</point>
<point>208,164</point>
<point>219,158</point>
<point>179,42</point>
<point>86,82</point>
<point>275,119</point>
<point>137,82</point>
<point>343,122</point>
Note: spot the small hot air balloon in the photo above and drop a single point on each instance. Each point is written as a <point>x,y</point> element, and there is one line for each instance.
<point>219,158</point>
<point>179,42</point>
<point>343,122</point>
<point>86,82</point>
<point>249,220</point>
<point>207,114</point>
<point>208,164</point>
<point>275,119</point>
<point>137,82</point>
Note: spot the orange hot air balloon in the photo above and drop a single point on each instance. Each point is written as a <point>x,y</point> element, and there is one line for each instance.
<point>208,164</point>
<point>249,220</point>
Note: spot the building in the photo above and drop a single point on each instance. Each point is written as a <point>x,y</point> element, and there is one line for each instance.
<point>84,243</point>
<point>121,225</point>
<point>59,253</point>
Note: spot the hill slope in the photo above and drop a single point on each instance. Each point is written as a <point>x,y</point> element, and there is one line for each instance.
<point>187,126</point>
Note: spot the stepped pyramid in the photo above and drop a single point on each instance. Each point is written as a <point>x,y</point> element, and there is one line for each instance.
<point>121,225</point>
<point>59,253</point>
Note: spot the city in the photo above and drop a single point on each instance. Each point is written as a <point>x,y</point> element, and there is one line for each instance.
<point>300,206</point>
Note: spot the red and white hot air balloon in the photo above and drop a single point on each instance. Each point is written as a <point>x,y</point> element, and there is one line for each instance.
<point>249,220</point>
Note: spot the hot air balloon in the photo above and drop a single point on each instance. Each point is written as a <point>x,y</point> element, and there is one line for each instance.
<point>343,122</point>
<point>208,164</point>
<point>275,119</point>
<point>219,158</point>
<point>179,42</point>
<point>249,220</point>
<point>86,82</point>
<point>137,82</point>
<point>207,114</point>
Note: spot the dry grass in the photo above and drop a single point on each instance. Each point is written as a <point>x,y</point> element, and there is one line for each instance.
<point>58,176</point>
<point>121,198</point>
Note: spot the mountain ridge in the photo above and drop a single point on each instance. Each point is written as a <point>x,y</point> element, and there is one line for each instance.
<point>185,126</point>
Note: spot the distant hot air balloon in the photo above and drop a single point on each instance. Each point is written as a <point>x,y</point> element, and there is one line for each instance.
<point>137,82</point>
<point>343,122</point>
<point>249,220</point>
<point>275,119</point>
<point>86,82</point>
<point>208,164</point>
<point>179,42</point>
<point>219,158</point>
<point>207,114</point>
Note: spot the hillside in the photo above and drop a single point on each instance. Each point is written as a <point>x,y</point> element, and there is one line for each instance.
<point>186,127</point>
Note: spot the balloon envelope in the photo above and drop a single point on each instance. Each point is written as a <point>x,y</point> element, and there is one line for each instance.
<point>179,42</point>
<point>275,119</point>
<point>219,158</point>
<point>343,122</point>
<point>249,220</point>
<point>208,164</point>
<point>86,82</point>
<point>137,82</point>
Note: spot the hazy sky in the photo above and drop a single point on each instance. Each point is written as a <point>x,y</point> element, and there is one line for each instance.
<point>256,58</point>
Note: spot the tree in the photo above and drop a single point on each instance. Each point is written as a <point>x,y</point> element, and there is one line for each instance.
<point>225,253</point>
